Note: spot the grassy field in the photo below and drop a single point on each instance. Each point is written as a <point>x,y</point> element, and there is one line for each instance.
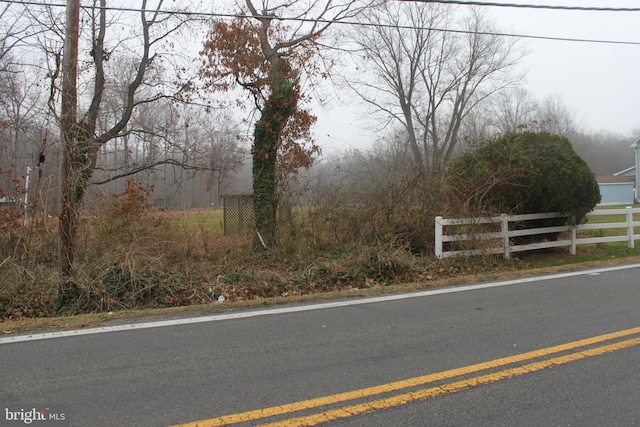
<point>209,221</point>
<point>613,218</point>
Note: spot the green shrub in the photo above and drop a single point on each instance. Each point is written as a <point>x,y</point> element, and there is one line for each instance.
<point>525,173</point>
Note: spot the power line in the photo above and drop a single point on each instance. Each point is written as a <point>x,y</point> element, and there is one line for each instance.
<point>530,6</point>
<point>369,24</point>
<point>535,37</point>
<point>454,2</point>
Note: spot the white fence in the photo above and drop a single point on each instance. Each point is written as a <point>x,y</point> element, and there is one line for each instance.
<point>506,233</point>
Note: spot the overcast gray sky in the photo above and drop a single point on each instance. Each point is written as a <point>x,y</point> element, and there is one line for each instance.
<point>600,83</point>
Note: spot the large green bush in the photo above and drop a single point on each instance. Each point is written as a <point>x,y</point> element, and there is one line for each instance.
<point>525,173</point>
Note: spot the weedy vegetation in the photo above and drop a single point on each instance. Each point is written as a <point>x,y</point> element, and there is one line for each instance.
<point>132,256</point>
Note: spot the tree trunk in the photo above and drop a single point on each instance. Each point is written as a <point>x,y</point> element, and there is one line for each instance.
<point>278,109</point>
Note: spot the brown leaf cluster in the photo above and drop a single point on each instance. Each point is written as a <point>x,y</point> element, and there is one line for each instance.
<point>235,54</point>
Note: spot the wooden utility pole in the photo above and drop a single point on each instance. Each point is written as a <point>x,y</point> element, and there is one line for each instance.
<point>68,122</point>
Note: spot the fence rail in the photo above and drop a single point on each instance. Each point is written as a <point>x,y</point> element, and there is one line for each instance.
<point>506,233</point>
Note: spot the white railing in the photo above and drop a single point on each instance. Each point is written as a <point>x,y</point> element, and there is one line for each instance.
<point>506,233</point>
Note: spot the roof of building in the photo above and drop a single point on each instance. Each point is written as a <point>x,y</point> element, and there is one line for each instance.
<point>626,172</point>
<point>611,179</point>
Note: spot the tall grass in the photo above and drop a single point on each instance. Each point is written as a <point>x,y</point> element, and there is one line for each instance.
<point>132,258</point>
<point>170,259</point>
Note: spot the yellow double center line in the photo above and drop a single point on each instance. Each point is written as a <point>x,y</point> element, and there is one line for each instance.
<point>407,397</point>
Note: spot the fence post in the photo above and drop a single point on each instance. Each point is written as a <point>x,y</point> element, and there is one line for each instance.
<point>504,229</point>
<point>438,245</point>
<point>26,196</point>
<point>574,238</point>
<point>631,243</point>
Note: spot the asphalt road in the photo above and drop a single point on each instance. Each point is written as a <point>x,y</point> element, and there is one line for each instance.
<point>386,352</point>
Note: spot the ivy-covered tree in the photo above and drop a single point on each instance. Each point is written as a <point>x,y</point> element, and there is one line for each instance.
<point>525,173</point>
<point>269,51</point>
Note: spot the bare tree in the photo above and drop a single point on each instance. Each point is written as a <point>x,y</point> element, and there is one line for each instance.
<point>82,139</point>
<point>14,31</point>
<point>555,117</point>
<point>427,78</point>
<point>513,110</point>
<point>516,110</point>
<point>222,150</point>
<point>24,128</point>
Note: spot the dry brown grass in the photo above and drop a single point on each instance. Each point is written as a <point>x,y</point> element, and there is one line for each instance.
<point>158,263</point>
<point>32,325</point>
